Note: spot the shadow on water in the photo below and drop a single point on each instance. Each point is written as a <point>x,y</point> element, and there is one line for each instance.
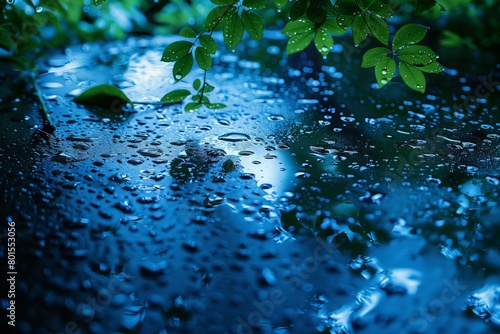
<point>313,203</point>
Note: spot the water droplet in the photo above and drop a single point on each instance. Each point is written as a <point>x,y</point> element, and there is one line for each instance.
<point>234,137</point>
<point>150,152</point>
<point>384,71</point>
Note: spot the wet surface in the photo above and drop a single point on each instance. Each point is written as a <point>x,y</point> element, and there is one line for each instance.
<point>314,203</point>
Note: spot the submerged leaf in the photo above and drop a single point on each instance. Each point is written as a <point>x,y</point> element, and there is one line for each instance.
<point>103,95</point>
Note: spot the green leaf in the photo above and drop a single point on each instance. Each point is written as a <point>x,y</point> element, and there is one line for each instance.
<point>214,16</point>
<point>379,28</point>
<point>208,88</point>
<point>280,3</point>
<point>221,2</point>
<point>253,24</point>
<point>175,96</point>
<point>297,27</point>
<point>333,27</point>
<point>209,43</point>
<point>433,67</point>
<point>298,9</point>
<point>203,58</point>
<point>255,4</point>
<point>359,30</point>
<point>187,32</point>
<point>383,10</point>
<point>412,77</point>
<point>197,84</point>
<point>423,5</point>
<point>346,7</point>
<point>374,56</point>
<point>316,13</point>
<point>215,105</point>
<point>176,50</point>
<point>299,42</point>
<point>344,21</point>
<point>183,66</point>
<point>408,35</point>
<point>417,55</point>
<point>192,106</point>
<point>384,71</point>
<point>323,41</point>
<point>103,95</point>
<point>233,30</point>
<point>98,2</point>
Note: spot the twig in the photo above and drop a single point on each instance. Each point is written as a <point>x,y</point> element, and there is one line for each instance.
<point>48,124</point>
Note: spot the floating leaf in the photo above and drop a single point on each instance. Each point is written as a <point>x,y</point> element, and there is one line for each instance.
<point>253,24</point>
<point>203,58</point>
<point>323,41</point>
<point>187,32</point>
<point>176,50</point>
<point>175,96</point>
<point>417,55</point>
<point>255,4</point>
<point>299,42</point>
<point>103,95</point>
<point>280,3</point>
<point>214,16</point>
<point>233,30</point>
<point>412,77</point>
<point>298,9</point>
<point>297,27</point>
<point>209,43</point>
<point>384,71</point>
<point>378,27</point>
<point>183,66</point>
<point>408,35</point>
<point>197,84</point>
<point>374,56</point>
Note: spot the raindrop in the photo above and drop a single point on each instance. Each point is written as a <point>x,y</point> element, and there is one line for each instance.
<point>234,137</point>
<point>150,152</point>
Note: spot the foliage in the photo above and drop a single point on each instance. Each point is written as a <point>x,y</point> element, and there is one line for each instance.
<point>311,21</point>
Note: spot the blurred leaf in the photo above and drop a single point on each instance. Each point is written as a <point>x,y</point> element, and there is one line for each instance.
<point>98,2</point>
<point>417,55</point>
<point>197,84</point>
<point>255,4</point>
<point>221,2</point>
<point>187,32</point>
<point>333,27</point>
<point>175,96</point>
<point>384,71</point>
<point>233,30</point>
<point>412,77</point>
<point>378,27</point>
<point>346,7</point>
<point>298,9</point>
<point>299,42</point>
<point>253,24</point>
<point>215,105</point>
<point>323,41</point>
<point>408,35</point>
<point>214,16</point>
<point>374,56</point>
<point>103,95</point>
<point>192,106</point>
<point>297,27</point>
<point>183,66</point>
<point>209,43</point>
<point>176,50</point>
<point>280,3</point>
<point>423,5</point>
<point>203,58</point>
<point>316,13</point>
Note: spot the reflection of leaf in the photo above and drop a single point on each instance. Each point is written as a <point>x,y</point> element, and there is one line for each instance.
<point>103,95</point>
<point>412,77</point>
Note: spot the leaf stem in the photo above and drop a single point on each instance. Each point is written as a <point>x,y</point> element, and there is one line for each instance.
<point>48,124</point>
